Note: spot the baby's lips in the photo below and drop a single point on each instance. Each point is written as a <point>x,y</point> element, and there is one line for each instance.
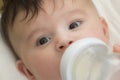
<point>116,48</point>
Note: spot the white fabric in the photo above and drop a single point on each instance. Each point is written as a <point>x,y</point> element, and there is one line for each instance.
<point>109,9</point>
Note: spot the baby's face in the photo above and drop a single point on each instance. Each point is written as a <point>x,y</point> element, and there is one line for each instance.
<point>41,42</point>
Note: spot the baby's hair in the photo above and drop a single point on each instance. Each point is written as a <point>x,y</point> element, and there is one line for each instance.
<point>10,10</point>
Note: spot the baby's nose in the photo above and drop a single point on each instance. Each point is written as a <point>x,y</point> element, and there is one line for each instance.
<point>63,45</point>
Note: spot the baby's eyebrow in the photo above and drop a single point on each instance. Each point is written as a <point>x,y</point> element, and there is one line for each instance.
<point>32,33</point>
<point>73,12</point>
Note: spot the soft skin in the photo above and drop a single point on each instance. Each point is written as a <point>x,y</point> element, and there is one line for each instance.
<point>40,43</point>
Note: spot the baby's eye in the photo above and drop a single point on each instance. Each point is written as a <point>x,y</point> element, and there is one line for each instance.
<point>43,41</point>
<point>74,25</point>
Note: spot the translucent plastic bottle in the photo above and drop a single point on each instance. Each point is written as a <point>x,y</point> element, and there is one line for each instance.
<point>90,59</point>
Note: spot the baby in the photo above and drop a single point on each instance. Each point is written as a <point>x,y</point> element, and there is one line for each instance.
<point>39,31</point>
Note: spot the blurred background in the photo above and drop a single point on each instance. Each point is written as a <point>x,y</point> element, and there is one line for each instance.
<point>1,4</point>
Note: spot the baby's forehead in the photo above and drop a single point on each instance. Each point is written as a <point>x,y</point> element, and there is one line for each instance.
<point>56,4</point>
<point>51,6</point>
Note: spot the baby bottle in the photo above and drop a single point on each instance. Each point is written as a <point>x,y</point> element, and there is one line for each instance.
<point>90,59</point>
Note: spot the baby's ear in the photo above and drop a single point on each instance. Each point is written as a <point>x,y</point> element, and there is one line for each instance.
<point>23,69</point>
<point>105,27</point>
